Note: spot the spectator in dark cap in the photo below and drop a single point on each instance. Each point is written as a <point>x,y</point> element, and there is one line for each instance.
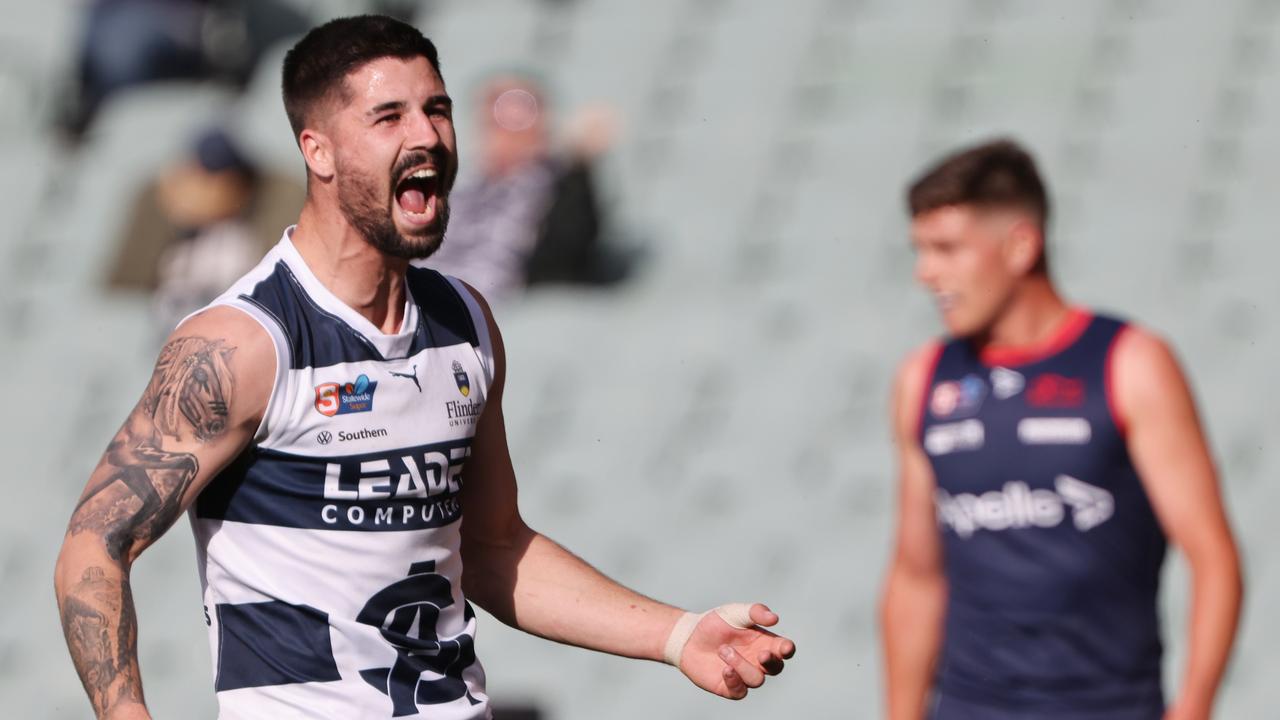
<point>197,228</point>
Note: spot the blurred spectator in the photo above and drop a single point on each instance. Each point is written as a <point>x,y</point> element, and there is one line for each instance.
<point>205,222</point>
<point>531,215</point>
<point>132,42</point>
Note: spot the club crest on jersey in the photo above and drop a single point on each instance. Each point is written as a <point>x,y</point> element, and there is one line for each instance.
<point>428,669</point>
<point>957,398</point>
<point>345,398</point>
<point>460,376</point>
<point>1050,390</point>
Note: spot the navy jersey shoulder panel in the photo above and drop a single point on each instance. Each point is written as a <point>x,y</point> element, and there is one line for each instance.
<point>957,355</point>
<point>317,338</point>
<point>1097,338</point>
<point>442,312</point>
<point>938,348</point>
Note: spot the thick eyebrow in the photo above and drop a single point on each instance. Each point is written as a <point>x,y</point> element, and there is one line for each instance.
<point>384,107</point>
<point>400,105</point>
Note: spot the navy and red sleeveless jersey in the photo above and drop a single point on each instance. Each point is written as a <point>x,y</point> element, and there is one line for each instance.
<point>1052,552</point>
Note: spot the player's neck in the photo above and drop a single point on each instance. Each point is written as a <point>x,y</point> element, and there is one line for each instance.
<point>366,280</point>
<point>1033,316</point>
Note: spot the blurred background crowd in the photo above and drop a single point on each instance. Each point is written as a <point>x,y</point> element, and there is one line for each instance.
<point>690,216</point>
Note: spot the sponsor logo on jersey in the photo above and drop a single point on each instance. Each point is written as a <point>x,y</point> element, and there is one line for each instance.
<point>462,379</point>
<point>411,375</point>
<point>1050,390</point>
<point>1006,383</point>
<point>463,413</point>
<point>1017,506</point>
<point>361,434</point>
<point>950,437</point>
<point>406,490</point>
<point>1054,431</point>
<point>324,437</point>
<point>957,398</point>
<point>345,398</point>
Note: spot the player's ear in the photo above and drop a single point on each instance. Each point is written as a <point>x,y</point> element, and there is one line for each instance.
<point>317,150</point>
<point>1023,247</point>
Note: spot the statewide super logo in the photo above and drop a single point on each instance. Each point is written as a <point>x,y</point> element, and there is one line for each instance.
<point>957,398</point>
<point>343,398</point>
<point>460,376</point>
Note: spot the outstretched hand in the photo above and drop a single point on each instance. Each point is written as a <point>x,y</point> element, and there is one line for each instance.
<point>727,661</point>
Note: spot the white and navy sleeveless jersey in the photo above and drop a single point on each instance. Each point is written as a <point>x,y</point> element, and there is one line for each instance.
<point>329,550</point>
<point>1051,548</point>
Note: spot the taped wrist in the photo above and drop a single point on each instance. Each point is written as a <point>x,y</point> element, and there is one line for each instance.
<point>736,615</point>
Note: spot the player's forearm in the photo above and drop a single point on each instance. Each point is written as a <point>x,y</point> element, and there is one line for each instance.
<point>541,588</point>
<point>911,614</point>
<point>1217,589</point>
<point>98,619</point>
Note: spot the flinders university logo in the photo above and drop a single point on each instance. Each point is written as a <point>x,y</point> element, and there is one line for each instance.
<point>344,398</point>
<point>464,381</point>
<point>462,412</point>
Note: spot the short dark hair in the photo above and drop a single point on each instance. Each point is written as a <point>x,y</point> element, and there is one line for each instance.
<point>317,66</point>
<point>994,174</point>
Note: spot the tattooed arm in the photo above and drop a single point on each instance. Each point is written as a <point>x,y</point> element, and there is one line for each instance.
<point>200,409</point>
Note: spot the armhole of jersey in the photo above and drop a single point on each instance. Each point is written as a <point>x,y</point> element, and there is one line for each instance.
<point>481,325</point>
<point>283,360</point>
<point>923,406</point>
<point>1108,381</point>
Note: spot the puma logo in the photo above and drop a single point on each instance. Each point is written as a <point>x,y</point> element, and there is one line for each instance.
<point>409,376</point>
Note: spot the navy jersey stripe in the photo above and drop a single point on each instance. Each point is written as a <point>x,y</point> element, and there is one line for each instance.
<point>409,489</point>
<point>449,322</point>
<point>272,643</point>
<point>318,338</point>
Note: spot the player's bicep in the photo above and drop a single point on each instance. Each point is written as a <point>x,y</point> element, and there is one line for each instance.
<point>917,545</point>
<point>489,480</point>
<point>199,409</point>
<point>489,483</point>
<point>1166,441</point>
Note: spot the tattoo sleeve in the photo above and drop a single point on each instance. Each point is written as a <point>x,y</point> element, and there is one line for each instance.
<point>98,621</point>
<point>134,495</point>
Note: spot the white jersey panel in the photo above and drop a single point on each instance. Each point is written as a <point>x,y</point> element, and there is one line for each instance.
<point>251,563</point>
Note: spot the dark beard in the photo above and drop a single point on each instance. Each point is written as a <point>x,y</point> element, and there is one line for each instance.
<point>359,205</point>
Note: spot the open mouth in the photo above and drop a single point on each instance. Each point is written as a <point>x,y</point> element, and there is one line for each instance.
<point>417,194</point>
<point>945,300</point>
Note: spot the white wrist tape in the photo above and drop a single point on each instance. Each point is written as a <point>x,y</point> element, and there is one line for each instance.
<point>736,615</point>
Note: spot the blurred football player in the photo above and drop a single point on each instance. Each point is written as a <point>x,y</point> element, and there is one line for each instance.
<point>1046,454</point>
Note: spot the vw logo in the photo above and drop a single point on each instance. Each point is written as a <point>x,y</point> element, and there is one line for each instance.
<point>324,438</point>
